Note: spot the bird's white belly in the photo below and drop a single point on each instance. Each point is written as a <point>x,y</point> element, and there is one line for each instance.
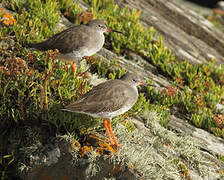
<point>90,51</point>
<point>84,52</point>
<point>93,46</point>
<point>114,113</point>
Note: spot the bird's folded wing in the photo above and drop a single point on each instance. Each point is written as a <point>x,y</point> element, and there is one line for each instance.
<point>101,98</point>
<point>66,41</point>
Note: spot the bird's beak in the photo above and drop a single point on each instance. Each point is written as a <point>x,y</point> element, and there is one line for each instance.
<point>112,30</point>
<point>145,84</point>
<point>142,83</point>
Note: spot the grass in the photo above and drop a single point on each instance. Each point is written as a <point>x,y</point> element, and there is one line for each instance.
<point>35,86</point>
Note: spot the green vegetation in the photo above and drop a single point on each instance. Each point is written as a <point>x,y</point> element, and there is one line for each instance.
<point>202,85</point>
<point>35,20</point>
<point>216,19</point>
<point>34,86</point>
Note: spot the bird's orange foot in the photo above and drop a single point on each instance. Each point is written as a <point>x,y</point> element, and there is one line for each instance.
<point>110,133</point>
<point>73,69</point>
<point>117,146</point>
<point>104,146</point>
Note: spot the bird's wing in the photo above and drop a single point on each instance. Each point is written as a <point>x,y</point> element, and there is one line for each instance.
<point>66,41</point>
<point>106,97</point>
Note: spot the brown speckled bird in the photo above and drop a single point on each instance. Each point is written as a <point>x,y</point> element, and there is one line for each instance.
<point>109,99</point>
<point>76,42</point>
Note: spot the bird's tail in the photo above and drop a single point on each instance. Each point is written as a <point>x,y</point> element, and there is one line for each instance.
<point>75,107</point>
<point>66,110</point>
<point>42,46</point>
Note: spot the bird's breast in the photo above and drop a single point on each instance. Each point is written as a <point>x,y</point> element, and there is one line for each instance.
<point>95,44</point>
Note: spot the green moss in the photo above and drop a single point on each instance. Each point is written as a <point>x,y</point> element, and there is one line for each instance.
<point>220,157</point>
<point>111,69</point>
<point>36,20</point>
<point>71,10</point>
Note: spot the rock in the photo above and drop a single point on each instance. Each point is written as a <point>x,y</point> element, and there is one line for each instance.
<point>150,152</point>
<point>185,32</point>
<point>58,159</point>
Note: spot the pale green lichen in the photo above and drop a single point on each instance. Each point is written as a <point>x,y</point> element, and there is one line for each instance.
<point>157,153</point>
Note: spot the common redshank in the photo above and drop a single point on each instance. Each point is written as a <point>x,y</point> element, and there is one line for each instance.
<point>109,99</point>
<point>76,42</point>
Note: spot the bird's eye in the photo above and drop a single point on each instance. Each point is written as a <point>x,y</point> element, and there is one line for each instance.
<point>101,26</point>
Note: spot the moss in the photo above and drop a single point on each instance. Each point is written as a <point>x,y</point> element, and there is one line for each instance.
<point>220,157</point>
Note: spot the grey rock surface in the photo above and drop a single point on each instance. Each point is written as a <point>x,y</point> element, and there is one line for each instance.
<point>189,35</point>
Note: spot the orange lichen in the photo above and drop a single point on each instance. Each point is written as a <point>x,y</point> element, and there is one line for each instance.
<point>100,150</point>
<point>185,172</point>
<point>219,120</point>
<point>85,149</point>
<point>107,146</point>
<point>6,18</point>
<point>117,63</point>
<point>103,145</point>
<point>75,143</point>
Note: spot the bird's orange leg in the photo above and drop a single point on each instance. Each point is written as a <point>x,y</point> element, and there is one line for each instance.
<point>107,130</point>
<point>73,68</point>
<point>112,134</point>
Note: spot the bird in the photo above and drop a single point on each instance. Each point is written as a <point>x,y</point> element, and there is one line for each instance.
<point>77,41</point>
<point>107,100</point>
